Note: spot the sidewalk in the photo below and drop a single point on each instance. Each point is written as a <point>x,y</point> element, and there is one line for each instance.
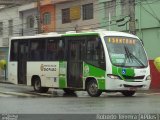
<point>150,91</point>
<point>2,80</point>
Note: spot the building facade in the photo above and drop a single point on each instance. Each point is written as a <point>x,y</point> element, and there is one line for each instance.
<point>9,26</point>
<point>117,15</point>
<point>28,15</point>
<point>76,15</point>
<point>148,29</point>
<point>47,16</point>
<point>15,22</point>
<point>148,26</point>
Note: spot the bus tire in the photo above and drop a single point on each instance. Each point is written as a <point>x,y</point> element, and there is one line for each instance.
<point>128,93</point>
<point>92,89</point>
<point>37,86</point>
<point>68,91</point>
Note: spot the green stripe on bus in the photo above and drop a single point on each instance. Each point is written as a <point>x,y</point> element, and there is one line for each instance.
<point>95,72</point>
<point>62,82</point>
<point>101,84</point>
<point>118,71</point>
<point>90,70</point>
<point>62,74</point>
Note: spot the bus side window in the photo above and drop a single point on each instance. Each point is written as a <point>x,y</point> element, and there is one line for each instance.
<point>92,54</point>
<point>60,52</point>
<point>55,49</point>
<point>37,50</point>
<point>101,56</point>
<point>51,49</point>
<point>95,52</point>
<point>14,51</point>
<point>34,51</point>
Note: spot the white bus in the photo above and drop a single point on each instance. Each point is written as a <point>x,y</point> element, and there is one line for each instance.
<point>100,61</point>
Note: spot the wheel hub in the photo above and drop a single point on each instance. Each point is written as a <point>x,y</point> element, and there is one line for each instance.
<point>37,85</point>
<point>93,88</point>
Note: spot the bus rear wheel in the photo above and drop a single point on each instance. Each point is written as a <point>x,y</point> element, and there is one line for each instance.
<point>37,86</point>
<point>128,93</point>
<point>92,89</point>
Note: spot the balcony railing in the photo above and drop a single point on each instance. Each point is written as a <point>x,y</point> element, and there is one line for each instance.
<point>9,2</point>
<point>60,1</point>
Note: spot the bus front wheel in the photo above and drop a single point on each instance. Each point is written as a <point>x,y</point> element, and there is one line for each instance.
<point>92,89</point>
<point>128,93</point>
<point>37,86</point>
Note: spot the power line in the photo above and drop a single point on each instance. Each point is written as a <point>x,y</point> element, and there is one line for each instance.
<point>150,13</point>
<point>153,12</point>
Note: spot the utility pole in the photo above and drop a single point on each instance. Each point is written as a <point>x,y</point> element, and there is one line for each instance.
<point>76,28</point>
<point>132,25</point>
<point>39,16</point>
<point>109,21</point>
<point>22,32</point>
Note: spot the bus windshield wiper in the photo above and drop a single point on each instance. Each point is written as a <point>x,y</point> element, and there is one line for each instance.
<point>139,61</point>
<point>127,54</point>
<point>130,56</point>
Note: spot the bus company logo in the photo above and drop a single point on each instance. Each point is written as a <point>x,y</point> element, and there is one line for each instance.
<point>86,69</point>
<point>48,67</point>
<point>42,67</point>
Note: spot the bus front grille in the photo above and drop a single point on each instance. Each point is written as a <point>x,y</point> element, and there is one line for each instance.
<point>133,78</point>
<point>137,86</point>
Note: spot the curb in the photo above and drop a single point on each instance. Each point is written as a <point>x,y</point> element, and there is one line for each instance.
<point>149,91</point>
<point>139,91</point>
<point>5,82</point>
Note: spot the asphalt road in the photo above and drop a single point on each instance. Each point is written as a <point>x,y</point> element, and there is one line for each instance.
<point>23,100</point>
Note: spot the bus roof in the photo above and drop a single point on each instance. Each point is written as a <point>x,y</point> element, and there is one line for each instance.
<point>103,33</point>
<point>38,36</point>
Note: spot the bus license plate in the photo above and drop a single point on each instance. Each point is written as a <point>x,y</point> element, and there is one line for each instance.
<point>132,89</point>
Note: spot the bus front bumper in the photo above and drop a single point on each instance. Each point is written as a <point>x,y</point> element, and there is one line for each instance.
<point>120,85</point>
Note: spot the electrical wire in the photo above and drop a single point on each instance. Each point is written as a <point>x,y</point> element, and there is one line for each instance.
<point>151,14</point>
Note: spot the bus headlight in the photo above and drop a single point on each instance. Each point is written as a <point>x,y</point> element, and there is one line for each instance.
<point>113,76</point>
<point>148,77</point>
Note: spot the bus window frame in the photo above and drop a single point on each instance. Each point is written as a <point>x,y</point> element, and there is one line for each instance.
<point>99,61</point>
<point>11,51</point>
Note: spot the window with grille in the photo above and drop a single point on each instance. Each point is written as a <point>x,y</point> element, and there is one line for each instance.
<point>10,24</point>
<point>47,18</point>
<point>30,22</point>
<point>88,11</point>
<point>1,28</point>
<point>65,15</point>
<point>110,8</point>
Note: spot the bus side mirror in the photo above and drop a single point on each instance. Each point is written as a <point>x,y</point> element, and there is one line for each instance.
<point>157,63</point>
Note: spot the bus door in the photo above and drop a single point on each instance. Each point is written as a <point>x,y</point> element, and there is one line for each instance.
<point>75,63</point>
<point>22,62</point>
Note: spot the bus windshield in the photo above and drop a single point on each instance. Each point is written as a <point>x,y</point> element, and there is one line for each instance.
<point>126,52</point>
